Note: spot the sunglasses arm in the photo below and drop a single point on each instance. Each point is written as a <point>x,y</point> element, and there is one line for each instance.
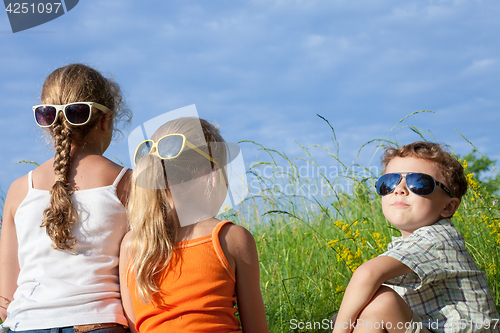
<point>201,152</point>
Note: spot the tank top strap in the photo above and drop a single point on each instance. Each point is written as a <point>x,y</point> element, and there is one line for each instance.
<point>30,180</point>
<point>120,176</point>
<point>218,249</point>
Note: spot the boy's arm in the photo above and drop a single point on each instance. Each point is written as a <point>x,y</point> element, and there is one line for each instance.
<point>364,283</point>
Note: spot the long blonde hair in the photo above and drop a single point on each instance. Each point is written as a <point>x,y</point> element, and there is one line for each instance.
<point>152,216</point>
<point>68,84</point>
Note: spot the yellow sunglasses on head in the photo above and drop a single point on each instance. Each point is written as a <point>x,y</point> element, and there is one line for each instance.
<point>169,147</point>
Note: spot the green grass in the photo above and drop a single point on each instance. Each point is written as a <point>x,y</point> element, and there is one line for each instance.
<point>309,244</point>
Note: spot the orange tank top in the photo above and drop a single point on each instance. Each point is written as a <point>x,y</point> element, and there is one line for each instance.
<point>198,289</point>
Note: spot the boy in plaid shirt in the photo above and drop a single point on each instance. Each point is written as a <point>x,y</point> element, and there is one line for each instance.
<point>434,285</point>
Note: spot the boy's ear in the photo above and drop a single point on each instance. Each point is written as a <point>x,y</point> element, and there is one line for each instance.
<point>451,207</point>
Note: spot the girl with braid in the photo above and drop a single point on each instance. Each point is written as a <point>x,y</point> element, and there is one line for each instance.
<point>64,221</point>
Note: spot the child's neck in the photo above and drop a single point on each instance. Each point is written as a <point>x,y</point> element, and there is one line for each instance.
<point>196,230</point>
<point>405,234</point>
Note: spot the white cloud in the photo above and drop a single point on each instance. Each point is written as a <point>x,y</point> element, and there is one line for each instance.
<point>480,66</point>
<point>314,40</point>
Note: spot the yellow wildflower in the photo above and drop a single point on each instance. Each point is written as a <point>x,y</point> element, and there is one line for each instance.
<point>332,243</point>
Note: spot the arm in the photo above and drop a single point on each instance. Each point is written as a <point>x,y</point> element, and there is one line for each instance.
<point>123,189</point>
<point>9,262</point>
<point>125,292</point>
<point>241,247</point>
<point>364,283</point>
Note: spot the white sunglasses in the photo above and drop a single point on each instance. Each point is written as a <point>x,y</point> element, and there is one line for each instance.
<point>77,114</point>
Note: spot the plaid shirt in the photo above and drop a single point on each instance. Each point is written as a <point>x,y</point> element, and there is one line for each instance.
<point>446,288</point>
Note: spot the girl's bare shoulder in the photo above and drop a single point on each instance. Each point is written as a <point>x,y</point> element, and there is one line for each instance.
<point>20,185</point>
<point>238,239</point>
<point>18,190</point>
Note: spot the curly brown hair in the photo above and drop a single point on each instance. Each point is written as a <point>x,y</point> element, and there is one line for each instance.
<point>450,168</point>
<point>68,84</point>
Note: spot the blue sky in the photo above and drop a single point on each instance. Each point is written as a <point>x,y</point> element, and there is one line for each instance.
<point>263,69</point>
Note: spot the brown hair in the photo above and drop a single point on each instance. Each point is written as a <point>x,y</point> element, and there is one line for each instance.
<point>68,84</point>
<point>450,169</point>
<point>152,216</point>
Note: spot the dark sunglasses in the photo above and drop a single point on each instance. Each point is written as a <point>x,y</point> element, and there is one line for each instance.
<point>76,114</point>
<point>419,183</point>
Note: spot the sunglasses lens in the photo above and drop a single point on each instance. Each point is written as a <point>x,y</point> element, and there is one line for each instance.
<point>420,184</point>
<point>387,183</point>
<point>143,150</point>
<point>78,114</point>
<point>45,115</point>
<point>170,146</point>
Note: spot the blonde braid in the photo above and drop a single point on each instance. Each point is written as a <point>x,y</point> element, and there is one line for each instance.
<point>61,216</point>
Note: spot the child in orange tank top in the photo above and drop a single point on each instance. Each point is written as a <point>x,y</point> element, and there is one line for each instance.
<point>182,270</point>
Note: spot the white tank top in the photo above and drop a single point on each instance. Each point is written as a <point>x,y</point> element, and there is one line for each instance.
<point>65,288</point>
